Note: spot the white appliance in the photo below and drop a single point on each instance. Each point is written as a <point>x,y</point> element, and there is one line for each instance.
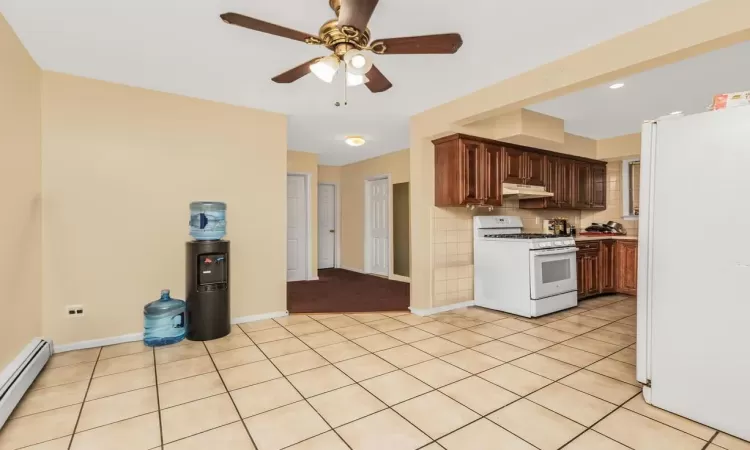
<point>694,281</point>
<point>520,273</point>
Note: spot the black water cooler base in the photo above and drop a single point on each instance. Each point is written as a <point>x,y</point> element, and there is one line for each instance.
<point>207,288</point>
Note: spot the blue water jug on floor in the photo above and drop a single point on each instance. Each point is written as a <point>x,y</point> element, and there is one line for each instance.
<point>208,220</point>
<point>164,321</point>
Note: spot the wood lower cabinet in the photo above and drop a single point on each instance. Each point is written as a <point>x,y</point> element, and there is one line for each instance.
<point>607,266</point>
<point>607,262</point>
<point>626,267</point>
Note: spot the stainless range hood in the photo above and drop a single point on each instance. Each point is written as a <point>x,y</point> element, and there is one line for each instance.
<point>523,191</point>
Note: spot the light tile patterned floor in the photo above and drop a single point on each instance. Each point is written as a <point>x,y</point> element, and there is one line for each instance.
<point>468,379</point>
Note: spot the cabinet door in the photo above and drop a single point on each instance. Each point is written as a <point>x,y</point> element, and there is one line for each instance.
<point>535,169</point>
<point>582,183</point>
<point>598,186</point>
<point>472,163</point>
<point>592,274</point>
<point>627,267</point>
<point>514,170</point>
<point>564,186</point>
<point>581,274</point>
<point>494,174</point>
<point>607,267</point>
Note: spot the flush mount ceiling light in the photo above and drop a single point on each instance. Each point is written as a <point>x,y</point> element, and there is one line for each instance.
<point>355,141</point>
<point>325,68</point>
<point>617,85</point>
<point>675,113</point>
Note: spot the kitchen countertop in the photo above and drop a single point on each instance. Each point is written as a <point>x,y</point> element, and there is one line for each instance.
<point>599,238</point>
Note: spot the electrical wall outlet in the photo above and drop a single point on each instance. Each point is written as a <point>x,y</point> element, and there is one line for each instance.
<point>74,310</point>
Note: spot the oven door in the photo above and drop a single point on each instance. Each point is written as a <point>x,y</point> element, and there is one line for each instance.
<point>553,272</point>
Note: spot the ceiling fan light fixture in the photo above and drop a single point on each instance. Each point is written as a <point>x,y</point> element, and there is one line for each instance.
<point>353,80</point>
<point>357,61</point>
<point>355,141</point>
<point>325,68</point>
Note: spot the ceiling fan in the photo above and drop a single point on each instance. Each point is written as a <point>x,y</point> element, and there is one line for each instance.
<point>348,38</point>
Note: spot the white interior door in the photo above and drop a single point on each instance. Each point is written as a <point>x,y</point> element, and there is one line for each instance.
<point>378,232</point>
<point>296,228</point>
<point>699,299</point>
<point>326,226</point>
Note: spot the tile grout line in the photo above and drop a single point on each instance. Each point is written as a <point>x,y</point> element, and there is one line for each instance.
<point>297,390</point>
<point>346,339</point>
<point>83,402</point>
<point>158,400</point>
<point>228,392</point>
<point>710,440</point>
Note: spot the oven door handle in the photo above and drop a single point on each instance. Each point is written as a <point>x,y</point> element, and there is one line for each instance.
<point>555,251</point>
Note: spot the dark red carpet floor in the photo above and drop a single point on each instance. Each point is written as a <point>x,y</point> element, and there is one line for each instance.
<point>340,290</point>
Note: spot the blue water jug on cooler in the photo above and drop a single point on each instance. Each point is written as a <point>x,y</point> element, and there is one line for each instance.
<point>208,220</point>
<point>164,321</point>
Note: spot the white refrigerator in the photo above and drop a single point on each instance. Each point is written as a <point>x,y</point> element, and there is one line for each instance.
<point>694,268</point>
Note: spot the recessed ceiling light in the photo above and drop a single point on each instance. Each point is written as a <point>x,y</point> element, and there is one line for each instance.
<point>355,141</point>
<point>674,113</point>
<point>617,85</point>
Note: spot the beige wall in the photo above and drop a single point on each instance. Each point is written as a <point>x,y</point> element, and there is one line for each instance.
<point>619,147</point>
<point>20,195</point>
<point>329,174</point>
<point>307,163</point>
<point>120,167</point>
<point>353,178</point>
<point>708,26</point>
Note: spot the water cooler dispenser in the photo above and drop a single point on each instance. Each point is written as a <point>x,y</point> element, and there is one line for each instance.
<point>207,277</point>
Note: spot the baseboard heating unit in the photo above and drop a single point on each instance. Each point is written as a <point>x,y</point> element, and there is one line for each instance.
<point>20,373</point>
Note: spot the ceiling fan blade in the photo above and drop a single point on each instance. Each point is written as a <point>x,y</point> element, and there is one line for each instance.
<point>295,74</point>
<point>419,45</point>
<point>378,82</point>
<point>356,13</point>
<point>270,28</point>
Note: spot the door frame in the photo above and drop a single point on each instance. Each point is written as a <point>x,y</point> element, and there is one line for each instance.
<point>367,243</point>
<point>337,222</point>
<point>308,225</point>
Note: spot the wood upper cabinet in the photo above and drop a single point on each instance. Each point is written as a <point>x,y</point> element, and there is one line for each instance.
<point>627,267</point>
<point>468,172</point>
<point>582,186</point>
<point>598,186</point>
<point>471,171</point>
<point>564,188</point>
<point>607,267</point>
<point>535,169</point>
<point>494,179</point>
<point>515,166</point>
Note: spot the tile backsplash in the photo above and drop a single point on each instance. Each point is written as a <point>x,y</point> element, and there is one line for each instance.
<point>453,240</point>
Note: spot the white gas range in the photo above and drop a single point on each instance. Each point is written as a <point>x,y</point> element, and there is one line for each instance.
<point>521,273</point>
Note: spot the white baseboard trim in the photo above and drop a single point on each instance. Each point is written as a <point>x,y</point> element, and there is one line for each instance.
<point>80,345</point>
<point>400,278</point>
<point>257,317</point>
<point>315,278</point>
<point>139,336</point>
<point>439,309</point>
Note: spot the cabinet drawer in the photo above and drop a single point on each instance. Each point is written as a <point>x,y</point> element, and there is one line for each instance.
<point>589,245</point>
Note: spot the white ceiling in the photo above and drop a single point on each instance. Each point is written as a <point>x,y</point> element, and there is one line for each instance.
<point>687,86</point>
<point>182,47</point>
